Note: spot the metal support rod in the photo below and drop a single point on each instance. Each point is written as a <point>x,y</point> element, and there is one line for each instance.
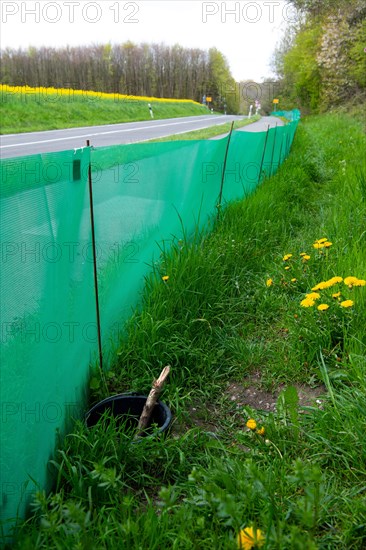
<point>94,262</point>
<point>273,148</point>
<point>223,170</point>
<point>264,152</point>
<point>280,155</point>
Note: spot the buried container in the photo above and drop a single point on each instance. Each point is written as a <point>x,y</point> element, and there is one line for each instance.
<point>127,409</point>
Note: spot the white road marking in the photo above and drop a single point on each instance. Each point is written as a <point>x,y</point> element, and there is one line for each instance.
<point>88,134</point>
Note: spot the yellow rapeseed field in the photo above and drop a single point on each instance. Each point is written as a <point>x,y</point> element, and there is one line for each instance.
<point>67,92</point>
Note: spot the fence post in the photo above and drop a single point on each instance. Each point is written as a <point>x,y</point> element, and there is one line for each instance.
<point>280,155</point>
<point>264,152</point>
<point>273,148</point>
<point>223,170</point>
<point>94,261</point>
<point>288,144</point>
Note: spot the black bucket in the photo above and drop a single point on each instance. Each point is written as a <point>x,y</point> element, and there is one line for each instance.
<point>128,408</point>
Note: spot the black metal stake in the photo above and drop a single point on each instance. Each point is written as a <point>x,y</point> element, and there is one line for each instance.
<point>94,262</point>
<point>290,140</point>
<point>287,145</point>
<point>280,156</point>
<point>264,152</point>
<point>223,170</point>
<point>273,148</point>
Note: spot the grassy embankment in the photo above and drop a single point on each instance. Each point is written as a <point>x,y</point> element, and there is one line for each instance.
<point>232,322</point>
<point>26,109</point>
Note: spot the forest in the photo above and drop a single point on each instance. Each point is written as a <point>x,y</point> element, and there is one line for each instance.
<point>157,70</point>
<point>319,62</point>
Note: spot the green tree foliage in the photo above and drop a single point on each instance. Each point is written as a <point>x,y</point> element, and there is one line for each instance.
<point>301,69</point>
<point>315,7</point>
<point>135,69</point>
<point>221,85</point>
<point>324,62</point>
<point>357,55</point>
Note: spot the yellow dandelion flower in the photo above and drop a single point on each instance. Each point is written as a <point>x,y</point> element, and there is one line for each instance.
<point>321,241</point>
<point>327,284</point>
<point>165,277</point>
<point>293,280</point>
<point>269,282</point>
<point>359,282</point>
<point>313,296</point>
<point>318,246</point>
<point>331,282</point>
<point>323,307</point>
<point>249,537</point>
<point>251,424</point>
<point>346,303</point>
<point>319,286</point>
<point>303,254</point>
<point>350,281</point>
<point>336,295</point>
<point>261,431</point>
<point>287,257</point>
<point>307,302</point>
<point>287,267</point>
<point>337,279</point>
<point>306,257</point>
<point>328,244</point>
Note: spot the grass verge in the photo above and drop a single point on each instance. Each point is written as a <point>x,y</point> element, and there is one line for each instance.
<point>37,111</point>
<point>229,320</point>
<point>207,133</point>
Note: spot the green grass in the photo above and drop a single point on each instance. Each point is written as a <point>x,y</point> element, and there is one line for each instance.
<point>217,323</point>
<point>207,133</point>
<point>33,112</point>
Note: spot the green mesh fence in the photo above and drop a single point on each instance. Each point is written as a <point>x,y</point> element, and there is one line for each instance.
<point>47,313</point>
<point>144,195</point>
<point>292,116</point>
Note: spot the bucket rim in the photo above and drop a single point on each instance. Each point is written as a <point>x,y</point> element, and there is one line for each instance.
<point>120,396</point>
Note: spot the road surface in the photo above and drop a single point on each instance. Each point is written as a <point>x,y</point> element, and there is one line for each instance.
<point>31,143</point>
<point>16,145</point>
<point>261,125</point>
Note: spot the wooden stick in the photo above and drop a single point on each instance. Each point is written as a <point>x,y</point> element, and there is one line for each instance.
<point>152,399</point>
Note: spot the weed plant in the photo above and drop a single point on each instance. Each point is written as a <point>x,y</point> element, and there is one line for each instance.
<point>219,308</point>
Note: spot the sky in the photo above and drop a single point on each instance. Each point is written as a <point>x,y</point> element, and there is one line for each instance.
<point>246,32</point>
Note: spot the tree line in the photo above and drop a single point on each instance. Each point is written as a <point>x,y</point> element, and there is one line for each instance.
<point>321,61</point>
<point>157,70</point>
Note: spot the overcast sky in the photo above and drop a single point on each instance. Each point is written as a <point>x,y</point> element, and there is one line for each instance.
<point>245,32</point>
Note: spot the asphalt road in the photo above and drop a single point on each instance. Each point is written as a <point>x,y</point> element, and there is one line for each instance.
<point>261,125</point>
<point>15,145</point>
